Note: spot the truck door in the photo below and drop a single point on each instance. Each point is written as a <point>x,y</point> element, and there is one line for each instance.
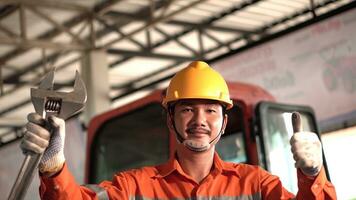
<point>232,144</point>
<point>273,134</point>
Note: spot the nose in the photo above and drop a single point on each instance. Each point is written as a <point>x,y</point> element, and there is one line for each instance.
<point>199,118</point>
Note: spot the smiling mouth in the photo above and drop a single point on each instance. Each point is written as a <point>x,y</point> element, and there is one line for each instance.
<point>193,131</point>
<point>197,133</point>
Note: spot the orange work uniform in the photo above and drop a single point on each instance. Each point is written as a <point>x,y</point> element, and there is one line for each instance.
<point>226,181</point>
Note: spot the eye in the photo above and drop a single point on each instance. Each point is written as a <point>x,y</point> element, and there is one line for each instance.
<point>184,110</point>
<point>211,110</point>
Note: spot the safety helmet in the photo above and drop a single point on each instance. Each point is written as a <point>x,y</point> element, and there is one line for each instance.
<point>198,81</point>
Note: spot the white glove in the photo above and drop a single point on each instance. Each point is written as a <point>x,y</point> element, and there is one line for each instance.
<point>45,137</point>
<point>306,149</point>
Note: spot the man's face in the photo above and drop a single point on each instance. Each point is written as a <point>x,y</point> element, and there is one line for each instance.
<point>198,119</point>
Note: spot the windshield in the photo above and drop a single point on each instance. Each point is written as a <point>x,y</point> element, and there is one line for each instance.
<point>277,131</point>
<point>138,138</point>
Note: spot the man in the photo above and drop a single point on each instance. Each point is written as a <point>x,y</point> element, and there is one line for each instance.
<point>196,101</point>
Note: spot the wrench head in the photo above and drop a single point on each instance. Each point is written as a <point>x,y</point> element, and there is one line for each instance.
<point>48,81</point>
<point>69,103</point>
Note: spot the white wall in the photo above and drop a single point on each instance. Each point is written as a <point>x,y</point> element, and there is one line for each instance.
<point>339,148</point>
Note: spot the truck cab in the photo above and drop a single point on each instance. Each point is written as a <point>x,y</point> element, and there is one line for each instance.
<point>257,133</point>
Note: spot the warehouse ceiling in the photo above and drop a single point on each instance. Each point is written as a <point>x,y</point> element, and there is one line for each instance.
<point>146,41</point>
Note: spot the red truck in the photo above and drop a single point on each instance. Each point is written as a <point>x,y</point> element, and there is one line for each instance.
<point>257,133</point>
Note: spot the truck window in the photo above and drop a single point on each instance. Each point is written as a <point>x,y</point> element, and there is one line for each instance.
<point>276,126</point>
<point>138,138</point>
<point>231,146</point>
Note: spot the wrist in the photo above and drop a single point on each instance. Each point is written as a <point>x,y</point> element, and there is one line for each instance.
<point>311,171</point>
<point>52,165</point>
<point>50,174</point>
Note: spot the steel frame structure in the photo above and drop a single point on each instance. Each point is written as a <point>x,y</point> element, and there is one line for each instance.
<point>102,19</point>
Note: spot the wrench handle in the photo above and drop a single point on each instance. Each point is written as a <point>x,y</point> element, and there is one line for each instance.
<point>25,176</point>
<point>27,171</point>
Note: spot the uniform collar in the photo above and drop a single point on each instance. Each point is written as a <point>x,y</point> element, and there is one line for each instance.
<point>219,166</point>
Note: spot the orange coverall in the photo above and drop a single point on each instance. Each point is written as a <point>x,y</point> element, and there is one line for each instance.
<point>226,181</point>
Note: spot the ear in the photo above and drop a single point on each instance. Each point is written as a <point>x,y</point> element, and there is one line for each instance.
<point>224,123</point>
<point>169,122</point>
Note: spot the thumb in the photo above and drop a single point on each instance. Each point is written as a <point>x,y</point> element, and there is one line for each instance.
<point>55,121</point>
<point>296,122</point>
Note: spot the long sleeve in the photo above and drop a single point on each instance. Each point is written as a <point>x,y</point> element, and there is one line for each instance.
<point>150,182</point>
<point>318,188</point>
<point>63,186</point>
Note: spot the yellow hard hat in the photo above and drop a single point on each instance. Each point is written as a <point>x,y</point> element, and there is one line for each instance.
<point>198,81</point>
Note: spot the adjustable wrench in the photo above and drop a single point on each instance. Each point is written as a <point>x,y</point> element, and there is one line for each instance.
<point>48,102</point>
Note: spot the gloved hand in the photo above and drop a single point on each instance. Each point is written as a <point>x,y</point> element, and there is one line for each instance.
<point>306,149</point>
<point>47,137</point>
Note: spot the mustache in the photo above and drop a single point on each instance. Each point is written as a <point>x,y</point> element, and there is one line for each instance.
<point>192,130</point>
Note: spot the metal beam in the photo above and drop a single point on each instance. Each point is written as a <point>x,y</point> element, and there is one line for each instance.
<point>128,16</point>
<point>50,34</point>
<point>23,24</point>
<point>11,136</point>
<point>299,13</point>
<point>1,82</point>
<point>7,31</point>
<point>214,39</point>
<point>206,22</point>
<point>153,22</point>
<point>148,54</point>
<point>7,10</point>
<point>34,43</point>
<point>176,35</point>
<point>102,7</point>
<point>56,24</point>
<point>211,27</point>
<point>126,94</point>
<point>40,44</point>
<point>14,107</point>
<point>201,44</point>
<point>36,79</point>
<point>7,122</point>
<point>177,41</point>
<point>116,29</point>
<point>129,88</point>
<point>49,4</point>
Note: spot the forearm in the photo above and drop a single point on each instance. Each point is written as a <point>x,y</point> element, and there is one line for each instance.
<point>315,188</point>
<point>62,185</point>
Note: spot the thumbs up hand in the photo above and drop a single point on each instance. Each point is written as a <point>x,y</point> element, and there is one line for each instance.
<point>306,148</point>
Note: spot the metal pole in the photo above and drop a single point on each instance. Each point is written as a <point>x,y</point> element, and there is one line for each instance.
<point>1,82</point>
<point>312,8</point>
